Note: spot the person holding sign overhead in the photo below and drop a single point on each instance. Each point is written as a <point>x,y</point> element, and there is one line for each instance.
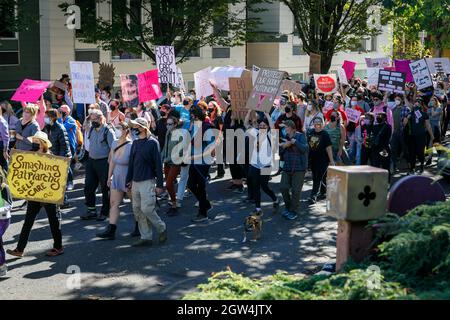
<point>41,144</point>
<point>27,127</point>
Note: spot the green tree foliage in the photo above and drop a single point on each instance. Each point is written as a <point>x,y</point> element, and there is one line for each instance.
<point>15,16</point>
<point>329,26</point>
<point>185,24</point>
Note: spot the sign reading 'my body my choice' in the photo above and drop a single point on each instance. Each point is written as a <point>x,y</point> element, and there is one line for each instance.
<point>265,90</point>
<point>82,76</point>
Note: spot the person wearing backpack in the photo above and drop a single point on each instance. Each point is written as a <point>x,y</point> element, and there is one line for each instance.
<point>100,138</point>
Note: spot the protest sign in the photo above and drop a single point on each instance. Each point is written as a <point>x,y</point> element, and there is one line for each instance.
<point>83,87</point>
<point>421,74</point>
<point>291,86</point>
<point>378,62</point>
<point>180,81</point>
<point>392,81</point>
<point>438,65</point>
<point>314,63</point>
<point>30,90</point>
<point>166,64</point>
<point>342,76</point>
<point>349,67</point>
<point>106,76</point>
<point>352,115</point>
<point>130,91</point>
<point>148,86</point>
<point>327,106</point>
<point>202,86</point>
<point>372,76</point>
<point>265,90</point>
<point>240,90</point>
<point>326,83</point>
<point>37,176</point>
<point>403,66</point>
<point>220,76</point>
<point>255,72</point>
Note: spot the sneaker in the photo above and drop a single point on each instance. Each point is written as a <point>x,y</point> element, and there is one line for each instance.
<point>3,270</point>
<point>15,252</point>
<point>142,243</point>
<point>89,215</point>
<point>428,162</point>
<point>199,218</point>
<point>312,200</point>
<point>70,186</point>
<point>172,212</point>
<point>239,189</point>
<point>291,216</point>
<point>162,237</point>
<point>187,194</point>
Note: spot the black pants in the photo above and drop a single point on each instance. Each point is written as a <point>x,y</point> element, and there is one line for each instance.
<point>33,209</point>
<point>416,150</point>
<point>220,170</point>
<point>236,171</point>
<point>198,175</point>
<point>365,154</point>
<point>378,161</point>
<point>258,182</point>
<point>319,176</point>
<point>97,172</point>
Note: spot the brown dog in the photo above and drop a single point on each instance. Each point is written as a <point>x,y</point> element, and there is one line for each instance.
<point>253,223</point>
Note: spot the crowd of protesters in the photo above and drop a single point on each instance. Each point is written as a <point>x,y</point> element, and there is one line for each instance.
<point>130,151</point>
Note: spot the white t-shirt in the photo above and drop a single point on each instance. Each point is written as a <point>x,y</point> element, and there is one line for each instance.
<point>262,157</point>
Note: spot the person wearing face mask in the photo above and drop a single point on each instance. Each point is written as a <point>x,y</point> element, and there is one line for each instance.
<point>312,111</point>
<point>367,137</point>
<point>161,128</point>
<point>289,114</point>
<point>100,139</point>
<point>417,124</point>
<point>351,127</point>
<point>338,106</point>
<point>27,127</point>
<point>145,181</point>
<point>118,168</point>
<point>72,130</point>
<point>379,106</point>
<point>362,103</point>
<point>321,155</point>
<point>398,146</point>
<point>41,144</point>
<point>184,111</point>
<point>115,116</point>
<point>359,138</point>
<point>100,100</point>
<point>336,132</point>
<point>380,156</point>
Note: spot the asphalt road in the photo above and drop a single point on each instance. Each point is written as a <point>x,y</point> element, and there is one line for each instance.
<point>115,270</point>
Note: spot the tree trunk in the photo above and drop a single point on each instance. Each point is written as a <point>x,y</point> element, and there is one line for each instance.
<point>325,62</point>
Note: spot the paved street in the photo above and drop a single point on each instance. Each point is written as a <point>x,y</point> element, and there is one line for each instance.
<point>114,270</point>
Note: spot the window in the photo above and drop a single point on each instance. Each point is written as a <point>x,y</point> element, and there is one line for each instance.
<point>218,53</point>
<point>220,28</point>
<point>118,8</point>
<point>87,55</point>
<point>135,18</point>
<point>88,11</point>
<point>121,54</point>
<point>194,53</point>
<point>7,10</point>
<point>295,29</point>
<point>297,50</point>
<point>9,58</point>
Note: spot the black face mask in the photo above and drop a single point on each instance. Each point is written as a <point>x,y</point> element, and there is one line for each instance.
<point>380,120</point>
<point>113,107</point>
<point>162,113</point>
<point>96,124</point>
<point>136,131</point>
<point>333,118</point>
<point>185,103</point>
<point>287,109</point>
<point>35,146</point>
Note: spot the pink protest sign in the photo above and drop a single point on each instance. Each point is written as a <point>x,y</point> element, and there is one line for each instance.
<point>148,86</point>
<point>352,115</point>
<point>403,66</point>
<point>349,67</point>
<point>30,90</point>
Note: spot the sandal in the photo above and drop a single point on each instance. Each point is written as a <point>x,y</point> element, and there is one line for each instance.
<point>15,253</point>
<point>54,252</point>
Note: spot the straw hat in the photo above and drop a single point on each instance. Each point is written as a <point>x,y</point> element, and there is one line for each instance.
<point>41,136</point>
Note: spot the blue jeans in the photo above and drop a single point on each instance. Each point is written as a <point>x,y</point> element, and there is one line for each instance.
<point>352,149</point>
<point>4,224</point>
<point>358,153</point>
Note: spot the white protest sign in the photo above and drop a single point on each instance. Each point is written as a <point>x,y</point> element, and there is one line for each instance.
<point>352,115</point>
<point>83,86</point>
<point>202,86</point>
<point>372,76</point>
<point>438,65</point>
<point>421,74</point>
<point>180,80</point>
<point>166,64</point>
<point>378,62</point>
<point>220,75</point>
<point>255,71</point>
<point>328,105</point>
<point>342,76</point>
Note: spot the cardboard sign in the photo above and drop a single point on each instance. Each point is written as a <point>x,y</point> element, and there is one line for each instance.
<point>83,86</point>
<point>148,86</point>
<point>352,115</point>
<point>265,90</point>
<point>349,67</point>
<point>166,64</point>
<point>438,65</point>
<point>240,90</point>
<point>30,90</point>
<point>403,66</point>
<point>421,74</point>
<point>202,86</point>
<point>291,86</point>
<point>38,177</point>
<point>220,75</point>
<point>326,83</point>
<point>130,91</point>
<point>372,76</point>
<point>392,81</point>
<point>342,76</point>
<point>314,63</point>
<point>378,62</point>
<point>255,71</point>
